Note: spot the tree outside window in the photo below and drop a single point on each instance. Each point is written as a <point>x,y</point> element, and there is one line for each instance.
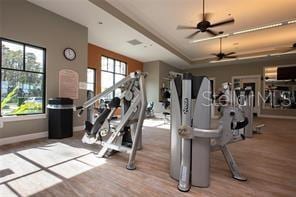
<point>22,76</point>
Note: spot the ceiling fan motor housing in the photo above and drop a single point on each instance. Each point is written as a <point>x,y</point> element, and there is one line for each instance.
<point>220,55</point>
<point>203,25</point>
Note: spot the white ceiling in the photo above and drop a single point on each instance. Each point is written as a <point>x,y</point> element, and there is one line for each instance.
<point>113,34</point>
<point>161,17</point>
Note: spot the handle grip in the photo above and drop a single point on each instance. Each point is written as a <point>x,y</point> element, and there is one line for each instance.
<point>81,110</point>
<point>79,107</point>
<point>240,125</point>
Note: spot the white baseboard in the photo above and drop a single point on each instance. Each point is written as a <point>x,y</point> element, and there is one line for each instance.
<point>32,136</point>
<point>278,117</point>
<point>78,128</point>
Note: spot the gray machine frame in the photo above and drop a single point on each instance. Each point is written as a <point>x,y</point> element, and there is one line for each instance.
<point>245,99</point>
<point>192,138</point>
<point>133,90</point>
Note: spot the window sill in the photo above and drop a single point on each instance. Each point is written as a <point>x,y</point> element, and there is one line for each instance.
<point>22,118</point>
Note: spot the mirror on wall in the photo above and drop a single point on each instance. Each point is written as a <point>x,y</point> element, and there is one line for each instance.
<point>280,87</point>
<point>252,81</point>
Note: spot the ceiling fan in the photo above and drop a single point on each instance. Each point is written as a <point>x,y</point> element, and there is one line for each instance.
<point>205,25</point>
<point>222,55</point>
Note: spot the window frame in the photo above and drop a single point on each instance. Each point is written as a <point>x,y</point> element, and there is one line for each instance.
<point>95,79</point>
<point>114,73</point>
<point>43,72</point>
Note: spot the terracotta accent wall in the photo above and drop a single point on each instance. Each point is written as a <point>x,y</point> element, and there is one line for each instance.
<point>94,61</point>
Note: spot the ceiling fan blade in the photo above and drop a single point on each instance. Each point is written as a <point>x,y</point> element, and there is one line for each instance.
<point>283,49</point>
<point>215,54</point>
<point>228,21</point>
<point>231,53</point>
<point>286,50</point>
<point>185,27</point>
<point>213,33</point>
<point>230,57</point>
<point>291,49</point>
<point>192,35</point>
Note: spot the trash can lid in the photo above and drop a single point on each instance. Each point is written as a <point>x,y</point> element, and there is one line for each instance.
<point>60,101</point>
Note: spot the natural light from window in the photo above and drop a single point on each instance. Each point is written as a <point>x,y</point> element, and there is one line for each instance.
<point>32,170</point>
<point>112,71</point>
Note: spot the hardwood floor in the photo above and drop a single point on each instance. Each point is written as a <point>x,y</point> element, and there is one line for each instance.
<point>69,168</point>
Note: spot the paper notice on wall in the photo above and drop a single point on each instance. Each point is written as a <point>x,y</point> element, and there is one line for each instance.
<point>68,84</point>
<point>82,85</point>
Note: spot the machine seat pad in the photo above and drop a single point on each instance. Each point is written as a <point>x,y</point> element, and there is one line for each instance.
<point>114,103</point>
<point>241,124</point>
<point>99,121</point>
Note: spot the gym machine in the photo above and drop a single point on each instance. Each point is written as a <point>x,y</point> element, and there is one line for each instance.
<point>124,135</point>
<point>244,97</point>
<point>192,138</point>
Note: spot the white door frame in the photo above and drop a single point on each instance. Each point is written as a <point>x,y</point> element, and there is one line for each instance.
<point>258,78</point>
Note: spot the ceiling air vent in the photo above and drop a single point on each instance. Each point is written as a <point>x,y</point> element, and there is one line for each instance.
<point>135,42</point>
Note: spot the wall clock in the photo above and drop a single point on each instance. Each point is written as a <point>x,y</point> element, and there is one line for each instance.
<point>70,54</point>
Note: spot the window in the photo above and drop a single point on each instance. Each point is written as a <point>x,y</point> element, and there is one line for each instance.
<point>22,76</point>
<point>91,79</point>
<point>112,71</point>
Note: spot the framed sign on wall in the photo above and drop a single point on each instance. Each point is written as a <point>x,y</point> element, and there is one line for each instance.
<point>68,84</point>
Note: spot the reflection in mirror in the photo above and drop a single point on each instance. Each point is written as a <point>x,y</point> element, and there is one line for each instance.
<point>280,87</point>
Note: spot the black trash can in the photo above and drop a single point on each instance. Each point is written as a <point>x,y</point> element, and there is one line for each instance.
<point>60,118</point>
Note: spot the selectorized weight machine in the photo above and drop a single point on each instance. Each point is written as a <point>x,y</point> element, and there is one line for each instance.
<point>192,138</point>
<point>244,97</point>
<point>124,135</point>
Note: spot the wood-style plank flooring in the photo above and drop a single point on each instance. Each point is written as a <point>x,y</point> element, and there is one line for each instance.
<point>69,168</point>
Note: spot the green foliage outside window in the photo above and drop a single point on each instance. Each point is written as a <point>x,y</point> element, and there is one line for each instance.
<point>22,79</point>
<point>8,98</point>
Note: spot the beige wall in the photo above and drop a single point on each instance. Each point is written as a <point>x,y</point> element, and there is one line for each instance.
<point>164,70</point>
<point>152,81</point>
<point>158,73</point>
<point>1,17</point>
<point>225,73</point>
<point>25,22</point>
